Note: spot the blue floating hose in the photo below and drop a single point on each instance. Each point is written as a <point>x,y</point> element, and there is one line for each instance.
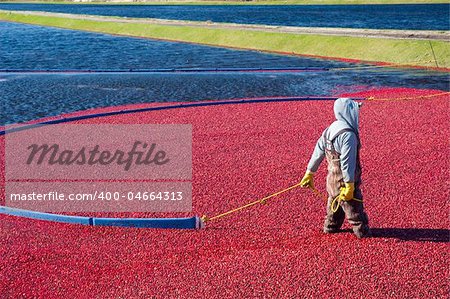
<point>169,107</point>
<point>166,223</point>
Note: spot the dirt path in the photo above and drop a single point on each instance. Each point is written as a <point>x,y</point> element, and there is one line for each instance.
<point>373,33</point>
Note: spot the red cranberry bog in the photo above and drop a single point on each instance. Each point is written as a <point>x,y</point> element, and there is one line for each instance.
<point>243,152</point>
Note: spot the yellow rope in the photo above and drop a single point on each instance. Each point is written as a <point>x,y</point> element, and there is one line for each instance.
<point>263,200</point>
<point>335,203</point>
<point>318,193</point>
<point>409,98</point>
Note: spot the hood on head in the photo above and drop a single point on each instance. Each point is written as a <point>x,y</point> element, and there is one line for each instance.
<point>347,110</point>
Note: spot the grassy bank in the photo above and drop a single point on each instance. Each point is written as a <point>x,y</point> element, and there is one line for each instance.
<point>235,2</point>
<point>410,52</point>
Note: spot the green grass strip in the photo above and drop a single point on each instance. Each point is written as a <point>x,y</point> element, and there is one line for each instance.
<point>397,51</point>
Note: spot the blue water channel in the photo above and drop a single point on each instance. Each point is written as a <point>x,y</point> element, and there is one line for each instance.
<point>404,16</point>
<point>26,96</point>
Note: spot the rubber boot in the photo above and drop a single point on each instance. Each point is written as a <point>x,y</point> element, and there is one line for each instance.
<point>354,211</point>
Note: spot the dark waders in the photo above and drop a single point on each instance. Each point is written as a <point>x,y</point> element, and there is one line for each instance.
<point>352,209</point>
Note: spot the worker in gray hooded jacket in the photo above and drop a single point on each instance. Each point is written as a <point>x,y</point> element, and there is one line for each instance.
<point>340,144</point>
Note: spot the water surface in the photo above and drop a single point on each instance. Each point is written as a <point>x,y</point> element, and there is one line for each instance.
<point>403,16</point>
<point>38,48</point>
<point>26,96</point>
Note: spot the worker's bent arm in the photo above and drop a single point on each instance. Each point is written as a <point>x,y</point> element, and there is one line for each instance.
<point>317,156</point>
<point>348,151</point>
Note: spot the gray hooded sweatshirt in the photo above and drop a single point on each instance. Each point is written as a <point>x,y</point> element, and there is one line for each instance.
<point>346,143</point>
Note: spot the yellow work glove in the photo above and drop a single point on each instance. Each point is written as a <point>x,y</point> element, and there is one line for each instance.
<point>308,180</point>
<point>347,191</point>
